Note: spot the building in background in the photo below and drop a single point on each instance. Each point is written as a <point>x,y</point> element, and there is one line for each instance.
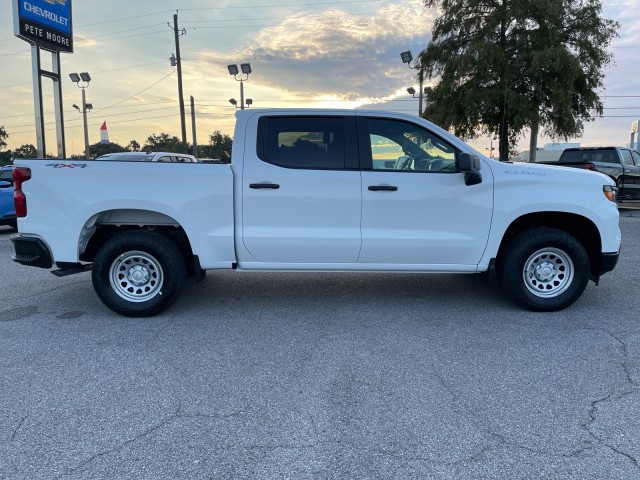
<point>550,153</point>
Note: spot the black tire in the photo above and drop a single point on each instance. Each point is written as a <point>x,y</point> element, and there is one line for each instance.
<point>13,224</point>
<point>543,269</point>
<point>138,273</point>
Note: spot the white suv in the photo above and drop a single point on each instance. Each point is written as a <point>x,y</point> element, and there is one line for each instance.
<point>167,157</point>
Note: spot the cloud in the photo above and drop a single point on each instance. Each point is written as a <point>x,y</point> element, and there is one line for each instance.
<point>337,56</point>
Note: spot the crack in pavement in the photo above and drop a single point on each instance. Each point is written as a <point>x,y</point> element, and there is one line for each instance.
<point>633,388</point>
<point>15,431</point>
<point>592,419</point>
<point>174,416</point>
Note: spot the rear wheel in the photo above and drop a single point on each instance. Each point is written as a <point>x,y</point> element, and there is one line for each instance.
<point>138,273</point>
<point>543,269</point>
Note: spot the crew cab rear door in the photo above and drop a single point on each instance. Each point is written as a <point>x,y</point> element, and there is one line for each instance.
<point>302,191</point>
<point>416,208</point>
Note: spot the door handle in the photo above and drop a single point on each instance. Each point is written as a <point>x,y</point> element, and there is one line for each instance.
<point>387,188</point>
<point>272,186</point>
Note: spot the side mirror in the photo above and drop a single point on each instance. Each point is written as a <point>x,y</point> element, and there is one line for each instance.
<point>4,184</point>
<point>470,166</point>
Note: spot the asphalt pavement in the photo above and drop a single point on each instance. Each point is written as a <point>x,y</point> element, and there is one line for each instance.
<point>320,376</point>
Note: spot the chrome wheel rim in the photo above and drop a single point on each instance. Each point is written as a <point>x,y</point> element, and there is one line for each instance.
<point>136,276</point>
<point>548,272</point>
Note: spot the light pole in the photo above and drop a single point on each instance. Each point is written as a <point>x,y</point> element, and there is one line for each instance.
<point>491,146</point>
<point>246,70</point>
<point>407,57</point>
<point>83,78</point>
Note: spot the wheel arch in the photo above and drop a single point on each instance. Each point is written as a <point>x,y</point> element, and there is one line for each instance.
<point>105,225</point>
<point>582,228</point>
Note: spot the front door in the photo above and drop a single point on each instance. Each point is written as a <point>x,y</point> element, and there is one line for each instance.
<point>416,208</point>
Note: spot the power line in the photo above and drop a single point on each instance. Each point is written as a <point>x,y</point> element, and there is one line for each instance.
<point>135,94</point>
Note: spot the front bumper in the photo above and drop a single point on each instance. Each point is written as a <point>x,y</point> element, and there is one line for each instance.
<point>608,262</point>
<point>31,251</point>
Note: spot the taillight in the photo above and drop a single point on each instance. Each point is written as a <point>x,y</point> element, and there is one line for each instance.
<point>20,175</point>
<point>589,166</point>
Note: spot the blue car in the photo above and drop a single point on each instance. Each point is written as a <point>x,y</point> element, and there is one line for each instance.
<point>7,207</point>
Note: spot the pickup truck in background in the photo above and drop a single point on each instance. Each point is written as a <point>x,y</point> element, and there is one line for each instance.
<point>621,164</point>
<point>166,157</point>
<point>319,190</point>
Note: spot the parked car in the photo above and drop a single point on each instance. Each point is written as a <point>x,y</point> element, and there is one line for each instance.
<point>622,165</point>
<point>7,207</point>
<point>166,157</point>
<point>6,174</point>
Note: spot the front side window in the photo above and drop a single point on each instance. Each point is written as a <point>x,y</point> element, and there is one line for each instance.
<point>402,146</point>
<point>636,158</point>
<point>305,142</point>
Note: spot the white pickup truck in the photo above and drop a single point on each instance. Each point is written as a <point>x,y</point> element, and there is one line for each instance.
<point>319,190</point>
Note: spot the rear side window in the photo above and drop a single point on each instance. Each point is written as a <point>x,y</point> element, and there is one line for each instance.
<point>570,156</point>
<point>627,158</point>
<point>607,156</point>
<point>303,142</point>
<point>6,175</point>
<point>600,155</point>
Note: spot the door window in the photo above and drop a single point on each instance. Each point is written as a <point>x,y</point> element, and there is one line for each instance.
<point>402,146</point>
<point>636,158</point>
<point>304,142</point>
<point>626,157</point>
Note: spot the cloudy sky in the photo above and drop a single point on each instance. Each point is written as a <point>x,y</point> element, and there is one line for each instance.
<point>303,53</point>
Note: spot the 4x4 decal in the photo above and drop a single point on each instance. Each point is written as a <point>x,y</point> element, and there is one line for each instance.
<point>66,165</point>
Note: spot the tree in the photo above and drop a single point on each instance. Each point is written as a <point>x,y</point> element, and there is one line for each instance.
<point>219,147</point>
<point>25,151</point>
<point>133,146</point>
<point>513,64</point>
<point>5,157</point>
<point>163,143</point>
<point>3,137</point>
<point>100,148</point>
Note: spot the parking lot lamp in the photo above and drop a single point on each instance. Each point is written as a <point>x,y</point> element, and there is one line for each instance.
<point>82,81</point>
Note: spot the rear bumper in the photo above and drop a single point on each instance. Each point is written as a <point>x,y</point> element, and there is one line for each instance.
<point>31,251</point>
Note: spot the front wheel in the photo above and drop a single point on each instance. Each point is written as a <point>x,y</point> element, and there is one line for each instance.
<point>543,269</point>
<point>138,273</point>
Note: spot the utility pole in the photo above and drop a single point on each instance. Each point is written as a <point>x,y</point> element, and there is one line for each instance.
<point>178,33</point>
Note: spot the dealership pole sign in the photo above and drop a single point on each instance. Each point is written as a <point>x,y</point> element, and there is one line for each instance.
<point>46,23</point>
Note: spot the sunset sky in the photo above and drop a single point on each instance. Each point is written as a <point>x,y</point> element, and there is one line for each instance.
<point>342,54</point>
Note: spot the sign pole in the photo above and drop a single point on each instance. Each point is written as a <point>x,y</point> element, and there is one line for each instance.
<point>37,101</point>
<point>46,25</point>
<point>57,99</point>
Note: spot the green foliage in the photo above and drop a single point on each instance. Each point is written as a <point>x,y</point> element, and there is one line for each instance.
<point>133,146</point>
<point>25,151</point>
<point>163,143</point>
<point>6,158</point>
<point>99,148</point>
<point>3,137</point>
<point>515,64</point>
<point>219,147</point>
